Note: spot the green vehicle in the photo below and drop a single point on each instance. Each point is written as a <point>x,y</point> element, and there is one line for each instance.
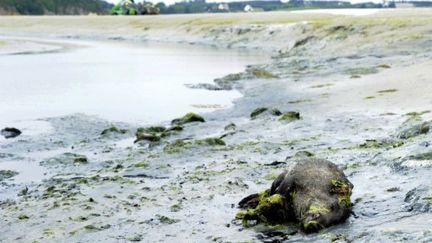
<point>125,7</point>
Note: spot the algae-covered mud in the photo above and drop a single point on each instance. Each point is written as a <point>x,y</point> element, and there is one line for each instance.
<point>353,90</point>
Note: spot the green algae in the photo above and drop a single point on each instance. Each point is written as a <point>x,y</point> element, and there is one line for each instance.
<point>134,238</point>
<point>23,217</point>
<point>176,207</point>
<point>257,112</point>
<point>310,225</point>
<point>175,128</point>
<point>153,129</point>
<point>415,130</point>
<point>177,146</point>
<point>275,112</point>
<point>344,200</point>
<point>211,142</point>
<point>271,176</point>
<point>299,101</point>
<point>386,66</point>
<point>141,164</point>
<point>147,137</point>
<point>290,116</point>
<point>304,154</point>
<point>416,114</point>
<point>188,118</point>
<point>361,71</point>
<point>47,232</point>
<point>271,209</point>
<point>80,159</point>
<point>318,208</point>
<point>353,166</point>
<point>377,144</point>
<point>156,133</point>
<point>67,159</point>
<point>246,144</point>
<point>232,126</point>
<point>6,174</point>
<point>166,220</point>
<point>113,129</point>
<point>422,156</point>
<point>261,73</point>
<point>343,191</point>
<point>321,86</point>
<point>387,91</point>
<point>428,199</point>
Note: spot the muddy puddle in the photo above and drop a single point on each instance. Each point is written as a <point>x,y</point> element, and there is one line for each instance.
<point>121,81</point>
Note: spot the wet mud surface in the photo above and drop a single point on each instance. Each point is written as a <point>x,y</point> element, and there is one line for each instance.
<point>186,186</point>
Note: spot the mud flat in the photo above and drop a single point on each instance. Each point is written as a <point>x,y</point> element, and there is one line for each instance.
<point>362,87</point>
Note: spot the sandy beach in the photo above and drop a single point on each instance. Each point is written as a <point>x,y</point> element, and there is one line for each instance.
<point>360,81</point>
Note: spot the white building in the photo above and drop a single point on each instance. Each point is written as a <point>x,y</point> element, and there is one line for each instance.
<point>248,8</point>
<point>223,7</point>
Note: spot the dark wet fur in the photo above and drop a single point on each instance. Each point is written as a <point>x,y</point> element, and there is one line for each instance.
<point>312,182</point>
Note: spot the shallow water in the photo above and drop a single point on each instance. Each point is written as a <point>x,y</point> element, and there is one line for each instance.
<point>132,82</point>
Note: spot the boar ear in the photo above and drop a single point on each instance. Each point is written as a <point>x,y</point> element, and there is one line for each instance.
<point>277,182</point>
<point>250,201</point>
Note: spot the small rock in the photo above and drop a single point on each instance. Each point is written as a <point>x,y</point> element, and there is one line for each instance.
<point>10,132</point>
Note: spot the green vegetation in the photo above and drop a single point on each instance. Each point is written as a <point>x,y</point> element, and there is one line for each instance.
<point>271,209</point>
<point>304,154</point>
<point>176,147</point>
<point>141,164</point>
<point>6,174</point>
<point>344,192</point>
<point>41,7</point>
<point>321,86</point>
<point>376,144</point>
<point>261,73</point>
<point>23,217</point>
<point>231,126</point>
<point>155,133</point>
<point>358,71</point>
<point>166,220</point>
<point>188,118</point>
<point>113,129</point>
<point>290,116</point>
<point>257,112</point>
<point>416,114</point>
<point>387,91</point>
<point>384,66</point>
<point>211,142</point>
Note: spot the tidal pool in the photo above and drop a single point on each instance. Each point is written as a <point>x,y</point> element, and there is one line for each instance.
<point>119,81</point>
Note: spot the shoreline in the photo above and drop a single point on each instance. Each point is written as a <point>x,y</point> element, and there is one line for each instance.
<point>361,85</point>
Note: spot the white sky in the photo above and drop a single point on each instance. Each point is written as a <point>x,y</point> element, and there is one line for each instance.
<point>173,1</point>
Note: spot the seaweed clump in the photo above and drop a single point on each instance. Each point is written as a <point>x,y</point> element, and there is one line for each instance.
<point>261,110</point>
<point>211,142</point>
<point>188,118</point>
<point>6,174</point>
<point>155,133</point>
<point>112,130</point>
<point>290,116</point>
<point>257,112</point>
